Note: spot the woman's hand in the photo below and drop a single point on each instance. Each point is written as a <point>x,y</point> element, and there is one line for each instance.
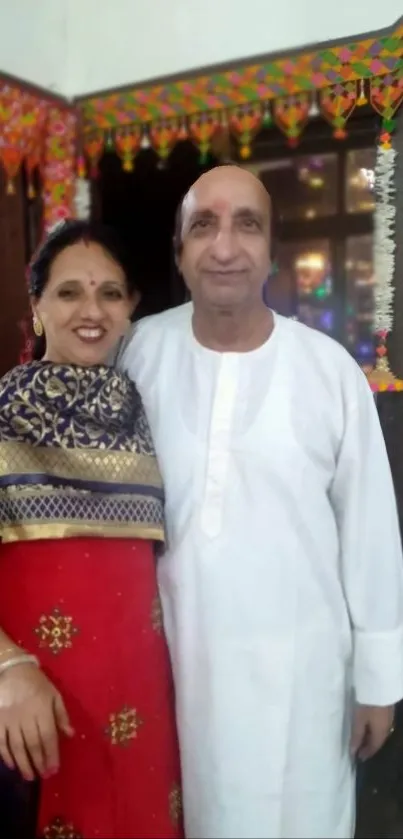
<point>372,726</point>
<point>32,712</point>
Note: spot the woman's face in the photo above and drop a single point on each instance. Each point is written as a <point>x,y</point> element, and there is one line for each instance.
<point>85,306</point>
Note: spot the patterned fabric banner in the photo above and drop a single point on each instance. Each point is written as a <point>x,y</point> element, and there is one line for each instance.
<point>59,170</point>
<point>38,133</point>
<point>226,90</point>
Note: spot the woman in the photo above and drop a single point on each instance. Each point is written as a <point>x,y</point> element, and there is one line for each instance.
<point>85,686</point>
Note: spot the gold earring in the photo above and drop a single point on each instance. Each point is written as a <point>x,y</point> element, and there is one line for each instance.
<point>38,328</point>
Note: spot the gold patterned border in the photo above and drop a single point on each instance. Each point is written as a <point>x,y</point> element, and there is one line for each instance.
<point>68,530</point>
<point>117,468</point>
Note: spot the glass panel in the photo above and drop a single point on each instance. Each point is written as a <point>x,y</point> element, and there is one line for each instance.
<point>302,188</point>
<point>360,298</point>
<point>305,267</point>
<point>360,196</point>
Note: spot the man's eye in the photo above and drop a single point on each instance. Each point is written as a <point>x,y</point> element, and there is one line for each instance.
<point>250,223</point>
<point>201,224</point>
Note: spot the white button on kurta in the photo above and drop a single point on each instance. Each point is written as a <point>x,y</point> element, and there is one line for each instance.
<point>282,583</point>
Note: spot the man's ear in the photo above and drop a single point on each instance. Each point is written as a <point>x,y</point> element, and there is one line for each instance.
<point>135,299</point>
<point>177,253</point>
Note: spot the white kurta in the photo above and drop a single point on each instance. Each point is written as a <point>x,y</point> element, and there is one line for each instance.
<point>282,585</point>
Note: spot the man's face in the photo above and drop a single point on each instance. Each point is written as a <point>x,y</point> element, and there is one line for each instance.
<point>225,256</point>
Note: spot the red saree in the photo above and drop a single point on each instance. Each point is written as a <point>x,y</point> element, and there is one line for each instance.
<point>89,609</point>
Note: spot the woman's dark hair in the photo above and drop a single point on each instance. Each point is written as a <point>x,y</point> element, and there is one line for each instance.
<point>65,234</point>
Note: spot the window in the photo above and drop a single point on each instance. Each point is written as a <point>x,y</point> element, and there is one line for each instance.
<point>359,302</point>
<point>323,218</point>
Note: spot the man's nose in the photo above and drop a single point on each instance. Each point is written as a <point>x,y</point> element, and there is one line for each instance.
<point>224,247</point>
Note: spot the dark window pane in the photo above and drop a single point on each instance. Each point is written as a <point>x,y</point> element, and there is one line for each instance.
<point>302,188</point>
<point>360,298</point>
<point>305,275</point>
<point>360,196</point>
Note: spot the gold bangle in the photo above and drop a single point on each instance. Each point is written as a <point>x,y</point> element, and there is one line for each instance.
<point>9,650</point>
<point>20,659</point>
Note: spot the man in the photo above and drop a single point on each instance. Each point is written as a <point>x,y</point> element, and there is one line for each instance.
<point>282,583</point>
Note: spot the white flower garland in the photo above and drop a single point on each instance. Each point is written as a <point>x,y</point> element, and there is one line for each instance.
<point>384,242</point>
<point>82,199</point>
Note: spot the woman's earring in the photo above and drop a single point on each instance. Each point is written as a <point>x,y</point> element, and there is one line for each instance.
<point>38,328</point>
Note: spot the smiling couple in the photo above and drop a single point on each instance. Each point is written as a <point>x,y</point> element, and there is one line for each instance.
<point>279,563</point>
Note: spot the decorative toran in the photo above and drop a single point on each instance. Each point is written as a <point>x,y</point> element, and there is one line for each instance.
<point>332,81</point>
<point>39,132</point>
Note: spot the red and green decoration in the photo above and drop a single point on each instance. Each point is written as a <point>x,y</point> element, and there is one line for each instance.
<point>39,134</point>
<point>239,102</point>
<point>208,131</point>
<point>338,103</point>
<point>202,130</point>
<point>386,97</point>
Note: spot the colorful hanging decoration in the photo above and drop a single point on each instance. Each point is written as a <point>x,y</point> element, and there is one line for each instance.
<point>145,140</point>
<point>337,103</point>
<point>163,137</point>
<point>362,99</point>
<point>127,144</point>
<point>314,111</point>
<point>306,72</point>
<point>291,115</point>
<point>22,121</point>
<point>333,81</point>
<point>244,125</point>
<point>12,157</point>
<point>93,150</point>
<point>39,133</point>
<point>183,132</point>
<point>221,139</point>
<point>386,94</point>
<point>202,130</point>
<point>381,378</point>
<point>59,166</point>
<point>267,119</point>
<point>33,162</point>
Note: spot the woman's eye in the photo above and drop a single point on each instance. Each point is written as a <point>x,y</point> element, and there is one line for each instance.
<point>67,292</point>
<point>113,294</point>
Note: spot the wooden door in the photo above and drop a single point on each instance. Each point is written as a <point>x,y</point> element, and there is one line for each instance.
<point>14,304</point>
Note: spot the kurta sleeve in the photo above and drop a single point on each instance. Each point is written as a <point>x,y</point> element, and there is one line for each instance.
<point>371,560</point>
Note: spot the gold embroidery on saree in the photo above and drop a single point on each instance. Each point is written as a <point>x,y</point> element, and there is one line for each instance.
<point>56,632</point>
<point>175,804</point>
<point>156,614</point>
<point>59,829</point>
<point>123,726</point>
